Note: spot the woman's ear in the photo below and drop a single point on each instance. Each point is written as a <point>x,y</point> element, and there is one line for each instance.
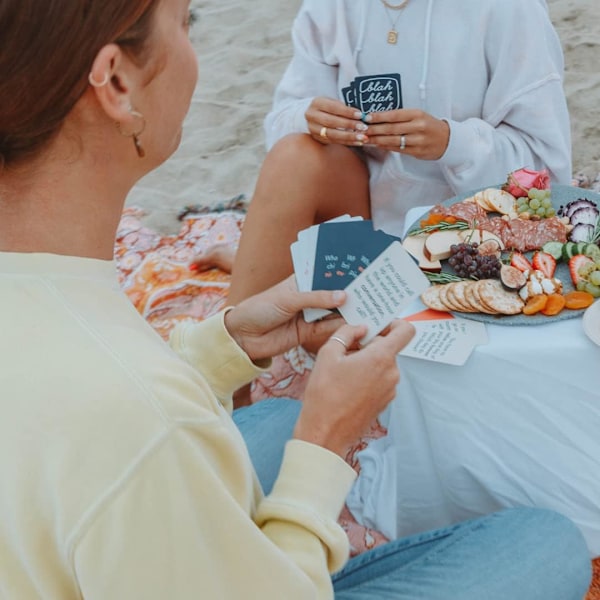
<point>111,77</point>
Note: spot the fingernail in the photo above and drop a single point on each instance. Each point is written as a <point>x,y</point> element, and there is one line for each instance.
<point>361,127</point>
<point>358,115</point>
<point>361,138</point>
<point>366,118</point>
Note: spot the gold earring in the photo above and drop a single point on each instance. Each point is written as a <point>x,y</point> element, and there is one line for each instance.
<point>135,135</point>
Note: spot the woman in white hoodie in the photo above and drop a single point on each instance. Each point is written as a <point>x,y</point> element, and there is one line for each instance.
<point>482,95</point>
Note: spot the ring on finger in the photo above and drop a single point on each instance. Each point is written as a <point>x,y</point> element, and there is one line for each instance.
<point>402,142</point>
<point>323,133</point>
<point>335,338</point>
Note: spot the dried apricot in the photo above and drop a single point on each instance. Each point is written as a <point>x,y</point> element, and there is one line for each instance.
<point>554,304</point>
<point>432,219</point>
<point>535,304</point>
<point>576,299</point>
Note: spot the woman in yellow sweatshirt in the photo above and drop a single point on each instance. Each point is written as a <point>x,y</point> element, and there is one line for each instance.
<point>122,474</point>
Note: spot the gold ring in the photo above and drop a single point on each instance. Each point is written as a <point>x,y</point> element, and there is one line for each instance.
<point>335,338</point>
<point>402,142</point>
<point>323,132</point>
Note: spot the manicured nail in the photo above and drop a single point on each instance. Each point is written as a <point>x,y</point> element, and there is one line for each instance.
<point>365,118</point>
<point>361,137</point>
<point>358,115</point>
<point>361,127</point>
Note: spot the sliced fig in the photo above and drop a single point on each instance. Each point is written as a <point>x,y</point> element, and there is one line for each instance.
<point>490,247</point>
<point>512,278</point>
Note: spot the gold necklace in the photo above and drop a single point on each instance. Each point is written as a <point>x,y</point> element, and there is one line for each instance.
<point>395,7</point>
<point>392,36</point>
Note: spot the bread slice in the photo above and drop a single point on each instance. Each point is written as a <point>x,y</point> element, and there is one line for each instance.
<point>415,246</point>
<point>495,200</point>
<point>438,243</point>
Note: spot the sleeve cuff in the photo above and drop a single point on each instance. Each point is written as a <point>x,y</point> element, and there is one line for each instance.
<point>462,143</point>
<point>311,489</point>
<point>208,347</point>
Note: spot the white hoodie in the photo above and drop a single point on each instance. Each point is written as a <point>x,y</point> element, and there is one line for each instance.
<point>491,68</point>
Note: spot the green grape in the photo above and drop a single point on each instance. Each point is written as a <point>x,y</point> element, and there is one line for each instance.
<point>594,290</point>
<point>595,278</point>
<point>532,193</point>
<point>581,285</point>
<point>541,211</point>
<point>546,202</point>
<point>522,201</point>
<point>586,270</point>
<point>523,208</point>
<point>545,194</point>
<point>534,204</point>
<point>550,212</point>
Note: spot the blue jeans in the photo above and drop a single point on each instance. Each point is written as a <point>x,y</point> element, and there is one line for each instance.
<point>515,554</point>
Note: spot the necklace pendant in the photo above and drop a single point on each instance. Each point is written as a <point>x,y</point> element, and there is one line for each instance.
<point>392,37</point>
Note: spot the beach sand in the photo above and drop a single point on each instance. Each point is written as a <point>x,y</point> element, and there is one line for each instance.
<point>243,48</point>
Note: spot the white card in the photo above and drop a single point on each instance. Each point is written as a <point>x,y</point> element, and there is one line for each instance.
<point>378,295</point>
<point>450,341</point>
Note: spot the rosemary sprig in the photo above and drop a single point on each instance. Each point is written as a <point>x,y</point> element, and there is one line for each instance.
<point>442,277</point>
<point>441,226</point>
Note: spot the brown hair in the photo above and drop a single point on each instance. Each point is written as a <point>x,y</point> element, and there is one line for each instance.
<point>48,49</point>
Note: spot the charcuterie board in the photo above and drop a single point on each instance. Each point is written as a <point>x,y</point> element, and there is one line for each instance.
<point>561,195</point>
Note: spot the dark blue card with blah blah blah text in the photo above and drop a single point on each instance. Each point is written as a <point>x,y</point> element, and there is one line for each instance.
<point>374,93</point>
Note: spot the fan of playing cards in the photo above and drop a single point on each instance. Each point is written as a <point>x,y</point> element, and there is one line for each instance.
<point>380,278</point>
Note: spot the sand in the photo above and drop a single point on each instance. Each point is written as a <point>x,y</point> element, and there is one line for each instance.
<point>243,48</point>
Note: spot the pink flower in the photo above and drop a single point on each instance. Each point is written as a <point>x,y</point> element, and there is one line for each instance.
<point>521,181</point>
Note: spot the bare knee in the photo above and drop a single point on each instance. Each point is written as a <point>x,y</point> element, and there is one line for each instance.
<point>329,173</point>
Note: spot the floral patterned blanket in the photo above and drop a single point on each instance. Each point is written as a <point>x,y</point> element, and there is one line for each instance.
<point>154,273</point>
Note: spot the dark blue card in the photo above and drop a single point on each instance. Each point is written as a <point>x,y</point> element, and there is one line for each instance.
<point>344,250</point>
<point>374,93</point>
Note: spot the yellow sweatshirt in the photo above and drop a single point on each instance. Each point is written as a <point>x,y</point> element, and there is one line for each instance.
<point>122,474</point>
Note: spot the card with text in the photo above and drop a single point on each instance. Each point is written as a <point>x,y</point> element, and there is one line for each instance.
<point>344,250</point>
<point>450,341</point>
<point>374,93</point>
<point>378,295</point>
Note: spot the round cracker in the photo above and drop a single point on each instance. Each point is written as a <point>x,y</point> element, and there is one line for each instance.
<point>446,299</point>
<point>472,295</point>
<point>431,298</point>
<point>493,294</point>
<point>456,295</point>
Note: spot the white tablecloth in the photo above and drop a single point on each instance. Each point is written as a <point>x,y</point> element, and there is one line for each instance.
<point>518,424</point>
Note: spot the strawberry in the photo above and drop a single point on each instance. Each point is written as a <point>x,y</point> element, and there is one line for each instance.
<point>575,263</point>
<point>544,262</point>
<point>520,261</point>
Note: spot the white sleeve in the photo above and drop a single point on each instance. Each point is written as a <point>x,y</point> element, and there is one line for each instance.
<point>310,73</point>
<point>525,116</point>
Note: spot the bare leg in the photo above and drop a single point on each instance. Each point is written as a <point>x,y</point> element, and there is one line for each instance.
<point>302,182</point>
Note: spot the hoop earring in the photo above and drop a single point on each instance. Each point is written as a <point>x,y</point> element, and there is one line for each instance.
<point>97,84</point>
<point>135,135</point>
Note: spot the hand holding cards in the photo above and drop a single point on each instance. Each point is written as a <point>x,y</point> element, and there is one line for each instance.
<point>378,275</point>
